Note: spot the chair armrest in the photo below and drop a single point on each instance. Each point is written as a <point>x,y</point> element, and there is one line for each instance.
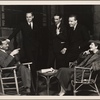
<point>82,68</point>
<point>8,68</point>
<point>29,63</point>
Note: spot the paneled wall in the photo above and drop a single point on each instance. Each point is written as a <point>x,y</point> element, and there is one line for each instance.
<point>96,12</point>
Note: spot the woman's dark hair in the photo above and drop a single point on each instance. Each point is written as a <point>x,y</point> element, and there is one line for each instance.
<point>96,44</point>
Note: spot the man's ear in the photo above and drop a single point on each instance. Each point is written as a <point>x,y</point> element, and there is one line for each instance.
<point>76,21</point>
<point>61,19</point>
<point>0,46</point>
<point>97,46</point>
<point>33,17</point>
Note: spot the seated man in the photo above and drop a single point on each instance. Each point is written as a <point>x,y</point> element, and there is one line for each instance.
<point>89,59</point>
<point>11,59</point>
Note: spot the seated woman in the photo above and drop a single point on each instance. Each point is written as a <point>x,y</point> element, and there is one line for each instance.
<point>89,58</point>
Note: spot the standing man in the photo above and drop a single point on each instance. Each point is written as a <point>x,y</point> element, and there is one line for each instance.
<point>78,39</point>
<point>29,32</point>
<point>58,45</point>
<point>30,35</point>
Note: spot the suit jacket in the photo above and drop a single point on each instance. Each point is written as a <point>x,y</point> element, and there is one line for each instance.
<point>78,39</point>
<point>58,42</point>
<point>91,61</point>
<point>6,59</point>
<point>29,36</point>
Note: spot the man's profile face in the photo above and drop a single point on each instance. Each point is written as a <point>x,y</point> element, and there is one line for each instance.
<point>57,19</point>
<point>72,21</point>
<point>29,17</point>
<point>5,45</point>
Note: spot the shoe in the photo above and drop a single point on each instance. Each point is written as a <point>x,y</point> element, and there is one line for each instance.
<point>61,94</point>
<point>26,91</point>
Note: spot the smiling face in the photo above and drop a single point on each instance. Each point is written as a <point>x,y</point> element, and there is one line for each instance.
<point>4,45</point>
<point>57,19</point>
<point>29,17</point>
<point>93,47</point>
<point>72,21</point>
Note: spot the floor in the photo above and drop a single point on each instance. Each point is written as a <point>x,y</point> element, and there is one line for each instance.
<point>55,88</point>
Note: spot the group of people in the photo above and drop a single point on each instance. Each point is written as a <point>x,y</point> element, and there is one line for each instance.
<point>30,34</point>
<point>65,46</point>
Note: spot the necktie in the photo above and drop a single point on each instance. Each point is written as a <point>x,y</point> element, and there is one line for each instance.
<point>31,25</point>
<point>58,30</point>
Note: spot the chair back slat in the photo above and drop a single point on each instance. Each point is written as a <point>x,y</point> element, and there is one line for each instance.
<point>82,78</point>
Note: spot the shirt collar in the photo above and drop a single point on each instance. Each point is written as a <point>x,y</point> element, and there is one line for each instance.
<point>3,50</point>
<point>75,26</point>
<point>29,23</point>
<point>58,25</point>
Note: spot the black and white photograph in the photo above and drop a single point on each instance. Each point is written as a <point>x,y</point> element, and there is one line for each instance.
<point>49,49</point>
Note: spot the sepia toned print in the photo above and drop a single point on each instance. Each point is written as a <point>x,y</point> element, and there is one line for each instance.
<point>35,42</point>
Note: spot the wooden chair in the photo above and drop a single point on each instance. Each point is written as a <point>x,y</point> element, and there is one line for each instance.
<point>77,83</point>
<point>11,82</point>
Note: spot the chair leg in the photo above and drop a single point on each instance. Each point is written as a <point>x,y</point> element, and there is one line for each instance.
<point>97,89</point>
<point>2,84</point>
<point>16,82</point>
<point>74,89</point>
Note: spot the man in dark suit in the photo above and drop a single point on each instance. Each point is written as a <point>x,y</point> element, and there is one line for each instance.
<point>78,39</point>
<point>30,37</point>
<point>29,32</point>
<point>58,43</point>
<point>8,59</point>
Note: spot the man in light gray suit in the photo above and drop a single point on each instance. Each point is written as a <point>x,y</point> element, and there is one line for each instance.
<point>8,59</point>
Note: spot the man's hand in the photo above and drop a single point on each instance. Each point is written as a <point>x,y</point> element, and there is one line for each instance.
<point>63,51</point>
<point>14,52</point>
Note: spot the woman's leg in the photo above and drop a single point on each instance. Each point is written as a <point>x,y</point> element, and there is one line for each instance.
<point>64,77</point>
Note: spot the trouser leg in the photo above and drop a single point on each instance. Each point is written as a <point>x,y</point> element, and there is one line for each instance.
<point>60,61</point>
<point>25,75</point>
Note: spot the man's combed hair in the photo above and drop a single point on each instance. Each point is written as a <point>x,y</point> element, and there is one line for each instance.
<point>2,39</point>
<point>75,16</point>
<point>30,12</point>
<point>58,14</point>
